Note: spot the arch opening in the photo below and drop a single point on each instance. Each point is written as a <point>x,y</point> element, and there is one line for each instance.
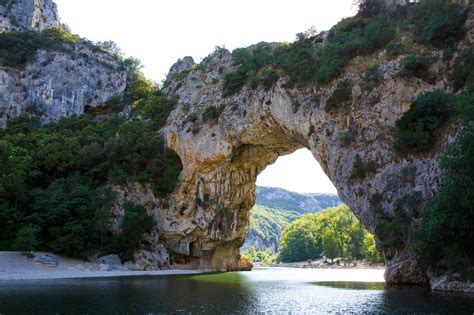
<point>293,199</point>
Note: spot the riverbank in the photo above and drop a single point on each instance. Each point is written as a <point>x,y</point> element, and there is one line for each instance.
<point>16,266</point>
<point>325,264</point>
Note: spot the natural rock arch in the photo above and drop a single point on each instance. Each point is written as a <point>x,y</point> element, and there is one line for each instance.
<point>224,143</point>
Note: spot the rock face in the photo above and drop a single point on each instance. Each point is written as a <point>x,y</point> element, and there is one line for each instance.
<point>206,222</point>
<point>20,15</point>
<point>203,223</point>
<point>60,84</point>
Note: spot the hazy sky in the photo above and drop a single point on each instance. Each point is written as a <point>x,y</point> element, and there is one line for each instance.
<point>298,172</point>
<point>160,32</point>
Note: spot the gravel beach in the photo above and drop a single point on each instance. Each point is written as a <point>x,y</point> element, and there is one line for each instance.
<point>16,266</point>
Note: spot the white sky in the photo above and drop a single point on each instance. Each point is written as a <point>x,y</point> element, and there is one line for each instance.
<point>160,32</point>
<point>298,172</point>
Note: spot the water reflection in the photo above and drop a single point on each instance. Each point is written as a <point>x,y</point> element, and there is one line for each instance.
<point>265,290</point>
<point>352,285</point>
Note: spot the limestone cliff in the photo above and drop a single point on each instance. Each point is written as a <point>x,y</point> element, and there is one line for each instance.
<point>60,84</point>
<point>223,153</point>
<point>65,76</point>
<point>225,140</point>
<point>20,15</point>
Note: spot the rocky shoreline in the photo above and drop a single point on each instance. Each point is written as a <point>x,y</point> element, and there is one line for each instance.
<point>324,264</point>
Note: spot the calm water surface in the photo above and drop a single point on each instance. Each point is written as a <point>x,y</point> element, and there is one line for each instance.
<point>266,291</point>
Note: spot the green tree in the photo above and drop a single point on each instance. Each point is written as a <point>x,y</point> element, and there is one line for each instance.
<point>136,223</point>
<point>26,239</point>
<point>335,232</point>
<point>369,249</point>
<point>445,240</point>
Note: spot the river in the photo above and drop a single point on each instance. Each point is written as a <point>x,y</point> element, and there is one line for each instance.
<point>264,290</point>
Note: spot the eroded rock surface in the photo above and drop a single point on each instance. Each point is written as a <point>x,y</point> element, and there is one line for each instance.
<point>60,84</point>
<point>222,155</point>
<point>20,15</point>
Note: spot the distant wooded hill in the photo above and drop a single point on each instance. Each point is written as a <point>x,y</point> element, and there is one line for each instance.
<point>275,208</point>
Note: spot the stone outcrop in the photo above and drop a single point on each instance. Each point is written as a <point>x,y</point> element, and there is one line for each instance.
<point>453,283</point>
<point>33,15</point>
<point>203,223</point>
<point>60,84</point>
<point>222,157</point>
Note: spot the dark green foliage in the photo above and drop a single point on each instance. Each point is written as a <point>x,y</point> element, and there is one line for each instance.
<point>136,223</point>
<point>394,229</point>
<point>416,129</point>
<point>72,216</point>
<point>303,61</point>
<point>341,95</point>
<point>369,8</point>
<point>463,73</point>
<point>345,138</point>
<point>392,233</point>
<point>439,22</point>
<point>269,78</point>
<point>445,241</point>
<point>18,48</point>
<point>51,176</point>
<point>240,55</point>
<point>234,81</point>
<point>372,77</point>
<point>350,38</point>
<point>27,239</point>
<point>417,65</point>
<point>361,169</point>
<point>156,107</point>
<point>182,75</point>
<point>212,113</point>
<point>138,86</point>
<point>115,104</point>
<point>395,49</point>
<point>298,61</point>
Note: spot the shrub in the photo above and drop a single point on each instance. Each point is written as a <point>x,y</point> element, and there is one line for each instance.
<point>395,49</point>
<point>138,86</point>
<point>27,239</point>
<point>439,22</point>
<point>269,78</point>
<point>416,128</point>
<point>155,107</point>
<point>234,81</point>
<point>361,169</point>
<point>345,138</point>
<point>376,35</point>
<point>342,94</point>
<point>350,38</point>
<point>417,65</point>
<point>115,103</point>
<point>180,76</point>
<point>136,223</point>
<point>240,56</point>
<point>298,61</point>
<point>444,242</point>
<point>369,8</point>
<point>18,48</point>
<point>212,113</point>
<point>372,77</point>
<point>463,73</point>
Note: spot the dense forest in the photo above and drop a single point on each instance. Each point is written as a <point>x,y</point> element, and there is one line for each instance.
<point>333,233</point>
<point>275,208</point>
<point>56,180</point>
